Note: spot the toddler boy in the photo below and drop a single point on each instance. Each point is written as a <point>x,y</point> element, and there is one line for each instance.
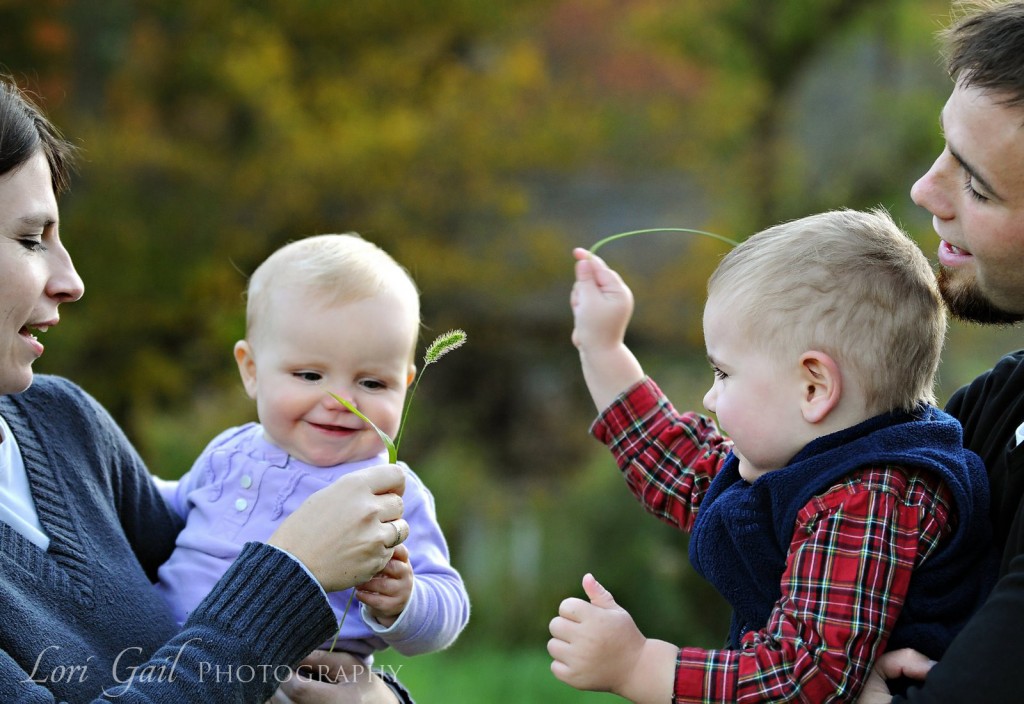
<point>841,514</point>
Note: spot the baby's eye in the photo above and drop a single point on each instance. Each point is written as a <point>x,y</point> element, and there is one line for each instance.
<point>373,384</point>
<point>309,377</point>
<point>719,374</point>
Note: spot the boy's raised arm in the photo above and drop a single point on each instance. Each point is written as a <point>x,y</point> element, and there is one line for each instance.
<point>601,307</point>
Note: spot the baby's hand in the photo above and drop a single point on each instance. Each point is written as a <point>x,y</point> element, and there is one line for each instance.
<point>387,593</point>
<point>601,304</point>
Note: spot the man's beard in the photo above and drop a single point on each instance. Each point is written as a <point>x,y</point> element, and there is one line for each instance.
<point>966,302</point>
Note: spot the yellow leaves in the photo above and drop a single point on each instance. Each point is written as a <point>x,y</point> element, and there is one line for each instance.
<point>522,67</point>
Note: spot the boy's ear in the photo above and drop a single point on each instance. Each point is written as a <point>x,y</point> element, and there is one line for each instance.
<point>411,375</point>
<point>246,367</point>
<point>822,385</point>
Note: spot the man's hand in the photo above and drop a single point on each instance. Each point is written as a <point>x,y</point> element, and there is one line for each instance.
<point>898,663</point>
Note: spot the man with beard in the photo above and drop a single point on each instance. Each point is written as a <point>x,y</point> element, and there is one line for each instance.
<point>975,192</point>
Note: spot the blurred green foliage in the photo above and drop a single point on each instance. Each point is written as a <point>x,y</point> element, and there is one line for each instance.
<point>477,141</point>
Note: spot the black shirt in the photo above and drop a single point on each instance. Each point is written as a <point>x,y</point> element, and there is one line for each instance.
<point>984,661</point>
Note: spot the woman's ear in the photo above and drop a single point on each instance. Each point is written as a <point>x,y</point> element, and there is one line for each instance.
<point>822,385</point>
<point>246,367</point>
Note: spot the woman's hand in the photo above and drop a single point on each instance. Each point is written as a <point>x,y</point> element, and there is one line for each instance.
<point>347,532</point>
<point>333,678</point>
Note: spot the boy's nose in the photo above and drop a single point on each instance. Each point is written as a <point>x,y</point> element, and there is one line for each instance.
<point>709,400</point>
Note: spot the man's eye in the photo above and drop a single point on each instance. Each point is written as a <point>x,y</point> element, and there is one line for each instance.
<point>971,191</point>
<point>310,377</point>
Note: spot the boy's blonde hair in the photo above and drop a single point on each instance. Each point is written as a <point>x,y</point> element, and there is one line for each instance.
<point>848,283</point>
<point>339,267</point>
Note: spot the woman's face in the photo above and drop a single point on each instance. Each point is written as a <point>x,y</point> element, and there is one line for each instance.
<point>36,273</point>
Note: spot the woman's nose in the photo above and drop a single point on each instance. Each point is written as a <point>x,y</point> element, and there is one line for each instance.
<point>64,285</point>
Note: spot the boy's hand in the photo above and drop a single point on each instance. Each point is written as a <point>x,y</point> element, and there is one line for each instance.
<point>601,304</point>
<point>387,593</point>
<point>601,307</point>
<point>596,646</point>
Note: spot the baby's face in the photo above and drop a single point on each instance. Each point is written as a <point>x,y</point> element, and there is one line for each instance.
<point>305,347</point>
<point>755,396</point>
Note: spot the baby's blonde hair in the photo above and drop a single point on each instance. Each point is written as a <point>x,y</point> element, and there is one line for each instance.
<point>340,267</point>
<point>848,283</point>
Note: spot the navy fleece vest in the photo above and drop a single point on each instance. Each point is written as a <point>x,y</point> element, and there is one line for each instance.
<point>743,530</point>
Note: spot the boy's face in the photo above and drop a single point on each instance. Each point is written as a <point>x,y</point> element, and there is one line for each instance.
<point>754,396</point>
<point>304,348</point>
<point>975,191</point>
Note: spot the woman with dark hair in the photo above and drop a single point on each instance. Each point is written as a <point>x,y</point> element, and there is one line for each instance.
<point>83,529</point>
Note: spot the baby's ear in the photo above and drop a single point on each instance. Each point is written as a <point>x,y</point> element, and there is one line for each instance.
<point>246,367</point>
<point>411,375</point>
<point>822,385</point>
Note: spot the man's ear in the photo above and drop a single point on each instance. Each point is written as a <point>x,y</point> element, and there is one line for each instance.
<point>246,367</point>
<point>821,385</point>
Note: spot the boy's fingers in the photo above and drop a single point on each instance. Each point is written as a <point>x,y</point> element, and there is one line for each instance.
<point>584,270</point>
<point>595,591</point>
<point>571,609</point>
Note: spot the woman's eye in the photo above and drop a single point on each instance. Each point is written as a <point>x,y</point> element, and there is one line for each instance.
<point>32,244</point>
<point>310,377</point>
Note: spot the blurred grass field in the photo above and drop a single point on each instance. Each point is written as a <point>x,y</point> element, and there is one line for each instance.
<point>473,675</point>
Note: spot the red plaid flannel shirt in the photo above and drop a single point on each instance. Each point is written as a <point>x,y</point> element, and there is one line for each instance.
<point>847,570</point>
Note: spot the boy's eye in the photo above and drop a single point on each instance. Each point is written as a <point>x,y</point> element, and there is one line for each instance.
<point>373,384</point>
<point>719,374</point>
<point>309,377</point>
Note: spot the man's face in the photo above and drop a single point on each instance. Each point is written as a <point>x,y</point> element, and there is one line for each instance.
<point>975,192</point>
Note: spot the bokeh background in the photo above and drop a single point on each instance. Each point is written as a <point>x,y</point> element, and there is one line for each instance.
<point>478,141</point>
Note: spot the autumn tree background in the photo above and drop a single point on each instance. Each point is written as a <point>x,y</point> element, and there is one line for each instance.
<point>478,141</point>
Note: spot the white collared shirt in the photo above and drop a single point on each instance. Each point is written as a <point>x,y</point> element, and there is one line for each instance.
<point>17,509</point>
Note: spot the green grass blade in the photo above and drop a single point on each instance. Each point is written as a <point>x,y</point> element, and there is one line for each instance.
<point>344,613</point>
<point>392,450</point>
<point>612,238</point>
